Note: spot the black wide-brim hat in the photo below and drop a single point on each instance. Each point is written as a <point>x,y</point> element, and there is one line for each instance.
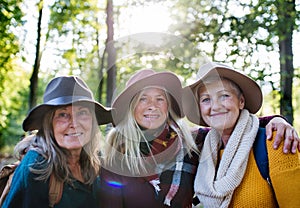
<point>65,90</point>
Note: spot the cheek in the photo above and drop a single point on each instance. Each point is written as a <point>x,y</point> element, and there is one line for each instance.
<point>164,110</point>
<point>204,109</point>
<point>136,113</point>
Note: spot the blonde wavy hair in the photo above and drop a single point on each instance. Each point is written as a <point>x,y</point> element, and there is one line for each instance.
<point>124,139</point>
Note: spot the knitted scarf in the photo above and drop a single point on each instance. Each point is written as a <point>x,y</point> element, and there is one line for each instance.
<point>215,184</point>
<point>179,155</point>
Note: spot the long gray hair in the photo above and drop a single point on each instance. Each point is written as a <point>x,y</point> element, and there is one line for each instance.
<point>55,157</point>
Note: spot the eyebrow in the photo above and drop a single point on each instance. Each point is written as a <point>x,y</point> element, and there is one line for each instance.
<point>157,95</point>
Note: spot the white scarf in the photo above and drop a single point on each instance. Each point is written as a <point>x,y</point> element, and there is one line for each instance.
<point>215,188</point>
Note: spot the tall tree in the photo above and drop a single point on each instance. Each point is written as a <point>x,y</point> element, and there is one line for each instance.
<point>286,22</point>
<point>111,53</point>
<point>38,54</point>
<point>238,32</point>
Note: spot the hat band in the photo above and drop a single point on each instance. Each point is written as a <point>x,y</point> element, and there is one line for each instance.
<point>68,99</point>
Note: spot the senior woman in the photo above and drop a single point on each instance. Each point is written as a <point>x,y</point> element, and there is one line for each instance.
<point>65,147</point>
<point>148,159</point>
<point>227,174</point>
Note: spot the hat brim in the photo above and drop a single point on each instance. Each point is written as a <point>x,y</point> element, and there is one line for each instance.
<point>35,117</point>
<point>251,90</point>
<point>166,80</point>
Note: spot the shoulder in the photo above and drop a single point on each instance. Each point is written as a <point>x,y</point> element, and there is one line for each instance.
<point>279,161</point>
<point>32,157</point>
<point>199,135</point>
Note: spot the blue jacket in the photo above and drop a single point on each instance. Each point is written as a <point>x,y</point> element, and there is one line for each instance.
<point>28,192</point>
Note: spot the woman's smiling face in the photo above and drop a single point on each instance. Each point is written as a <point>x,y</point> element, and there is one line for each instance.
<point>151,110</point>
<point>220,104</point>
<point>72,126</point>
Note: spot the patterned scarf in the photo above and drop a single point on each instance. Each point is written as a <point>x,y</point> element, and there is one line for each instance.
<point>215,186</point>
<point>169,137</point>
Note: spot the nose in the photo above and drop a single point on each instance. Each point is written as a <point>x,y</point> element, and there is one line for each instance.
<point>73,121</point>
<point>215,104</point>
<point>151,104</point>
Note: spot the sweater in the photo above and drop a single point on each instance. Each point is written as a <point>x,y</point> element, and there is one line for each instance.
<point>254,191</point>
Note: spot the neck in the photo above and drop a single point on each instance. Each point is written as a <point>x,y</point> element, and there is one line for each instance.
<point>74,165</point>
<point>150,134</point>
<point>225,135</point>
<point>74,157</point>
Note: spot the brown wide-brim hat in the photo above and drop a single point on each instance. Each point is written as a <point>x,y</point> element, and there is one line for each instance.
<point>65,90</point>
<point>250,89</point>
<point>147,78</point>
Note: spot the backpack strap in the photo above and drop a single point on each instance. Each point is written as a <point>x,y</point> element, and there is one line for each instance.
<point>261,157</point>
<point>55,190</point>
<point>6,175</point>
<point>261,154</point>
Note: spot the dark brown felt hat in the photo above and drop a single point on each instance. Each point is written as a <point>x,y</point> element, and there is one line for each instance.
<point>147,78</point>
<point>65,90</point>
<point>250,89</point>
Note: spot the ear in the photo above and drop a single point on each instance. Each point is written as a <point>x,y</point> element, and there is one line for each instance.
<point>242,102</point>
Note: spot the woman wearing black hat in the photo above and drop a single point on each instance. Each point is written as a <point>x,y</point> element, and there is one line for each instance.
<point>65,148</point>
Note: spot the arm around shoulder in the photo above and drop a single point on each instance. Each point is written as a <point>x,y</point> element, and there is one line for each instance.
<point>285,175</point>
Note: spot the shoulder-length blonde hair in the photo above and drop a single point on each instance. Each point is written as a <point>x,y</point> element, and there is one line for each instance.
<point>125,138</point>
<point>55,157</point>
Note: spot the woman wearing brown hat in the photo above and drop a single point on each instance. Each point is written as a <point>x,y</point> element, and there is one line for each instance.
<point>228,174</point>
<point>150,157</point>
<point>147,160</point>
<point>65,148</point>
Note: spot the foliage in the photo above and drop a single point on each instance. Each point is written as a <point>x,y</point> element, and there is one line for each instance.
<point>249,34</point>
<point>14,104</point>
<point>245,33</point>
<point>73,27</point>
<point>10,19</point>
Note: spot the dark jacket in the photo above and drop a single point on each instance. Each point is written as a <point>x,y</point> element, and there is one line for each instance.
<point>28,192</point>
<point>119,191</point>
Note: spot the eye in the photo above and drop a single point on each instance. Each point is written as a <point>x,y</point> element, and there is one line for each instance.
<point>161,99</point>
<point>143,99</point>
<point>63,115</point>
<point>225,96</point>
<point>205,100</point>
<point>83,112</point>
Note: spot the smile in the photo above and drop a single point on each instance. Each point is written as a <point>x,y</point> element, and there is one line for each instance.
<point>151,116</point>
<point>74,134</point>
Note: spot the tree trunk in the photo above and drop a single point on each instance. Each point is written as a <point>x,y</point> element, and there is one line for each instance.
<point>101,67</point>
<point>36,67</point>
<point>111,54</point>
<point>287,13</point>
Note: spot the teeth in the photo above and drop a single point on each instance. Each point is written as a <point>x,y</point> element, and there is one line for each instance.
<point>75,134</point>
<point>151,116</point>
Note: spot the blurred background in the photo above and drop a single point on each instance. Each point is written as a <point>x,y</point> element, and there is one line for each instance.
<point>105,41</point>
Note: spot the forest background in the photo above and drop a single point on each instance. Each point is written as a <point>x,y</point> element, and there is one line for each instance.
<point>105,41</point>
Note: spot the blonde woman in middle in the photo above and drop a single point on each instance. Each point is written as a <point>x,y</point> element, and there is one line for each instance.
<point>148,160</point>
